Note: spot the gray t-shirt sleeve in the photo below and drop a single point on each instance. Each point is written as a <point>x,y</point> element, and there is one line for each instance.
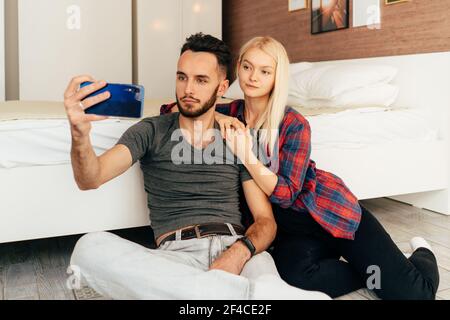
<point>138,139</point>
<point>244,174</point>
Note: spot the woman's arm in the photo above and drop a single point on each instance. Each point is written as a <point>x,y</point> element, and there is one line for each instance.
<point>264,178</point>
<point>284,187</point>
<point>293,164</point>
<point>227,123</point>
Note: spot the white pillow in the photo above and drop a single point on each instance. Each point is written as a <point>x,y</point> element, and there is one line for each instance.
<point>383,95</point>
<point>329,81</point>
<point>299,67</point>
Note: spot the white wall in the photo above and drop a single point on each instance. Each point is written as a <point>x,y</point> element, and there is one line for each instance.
<point>202,15</point>
<point>56,43</point>
<point>159,37</point>
<point>162,27</point>
<point>2,50</point>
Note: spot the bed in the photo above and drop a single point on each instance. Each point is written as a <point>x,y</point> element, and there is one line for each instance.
<point>401,156</point>
<point>412,172</point>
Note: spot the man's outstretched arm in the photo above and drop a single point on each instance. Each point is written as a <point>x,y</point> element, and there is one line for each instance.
<point>261,233</point>
<point>90,171</point>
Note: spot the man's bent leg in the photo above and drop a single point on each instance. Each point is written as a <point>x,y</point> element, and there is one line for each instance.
<point>259,265</point>
<point>122,269</point>
<point>267,283</point>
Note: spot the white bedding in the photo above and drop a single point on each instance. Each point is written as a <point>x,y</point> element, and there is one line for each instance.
<point>25,143</point>
<point>358,128</point>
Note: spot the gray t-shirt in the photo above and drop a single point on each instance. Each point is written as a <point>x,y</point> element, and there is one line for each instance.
<point>182,185</point>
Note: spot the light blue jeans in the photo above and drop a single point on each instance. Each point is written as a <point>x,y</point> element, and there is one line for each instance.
<point>121,269</point>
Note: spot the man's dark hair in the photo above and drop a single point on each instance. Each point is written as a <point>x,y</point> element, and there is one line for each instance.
<point>200,42</point>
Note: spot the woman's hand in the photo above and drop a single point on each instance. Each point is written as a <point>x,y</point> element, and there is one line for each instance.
<point>240,143</point>
<point>227,123</point>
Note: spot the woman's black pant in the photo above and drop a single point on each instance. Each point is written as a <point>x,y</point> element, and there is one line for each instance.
<point>308,257</point>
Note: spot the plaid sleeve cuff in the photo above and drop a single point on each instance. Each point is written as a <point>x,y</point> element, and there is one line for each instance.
<point>166,108</point>
<point>283,195</point>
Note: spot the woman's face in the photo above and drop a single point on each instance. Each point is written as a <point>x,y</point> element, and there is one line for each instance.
<point>257,73</point>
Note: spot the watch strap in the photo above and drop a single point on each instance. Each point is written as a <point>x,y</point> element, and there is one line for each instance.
<point>248,243</point>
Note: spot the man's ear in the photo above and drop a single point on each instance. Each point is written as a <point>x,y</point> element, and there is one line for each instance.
<point>224,85</point>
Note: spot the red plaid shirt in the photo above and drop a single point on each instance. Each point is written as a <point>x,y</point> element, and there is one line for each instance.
<point>300,184</point>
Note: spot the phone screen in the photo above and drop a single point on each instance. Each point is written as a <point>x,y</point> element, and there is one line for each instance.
<point>126,101</point>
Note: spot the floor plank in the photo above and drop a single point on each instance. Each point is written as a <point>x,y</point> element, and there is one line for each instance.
<point>444,295</point>
<point>442,255</point>
<point>20,282</point>
<point>444,279</point>
<point>47,254</point>
<point>51,284</point>
<point>353,296</point>
<point>2,282</point>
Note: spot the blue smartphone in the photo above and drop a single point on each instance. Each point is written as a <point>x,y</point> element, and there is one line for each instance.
<point>127,100</point>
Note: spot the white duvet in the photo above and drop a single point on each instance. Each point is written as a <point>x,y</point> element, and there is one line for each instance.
<point>25,143</point>
<point>359,128</point>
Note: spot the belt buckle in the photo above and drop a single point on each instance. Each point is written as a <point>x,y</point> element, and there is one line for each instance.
<point>197,231</point>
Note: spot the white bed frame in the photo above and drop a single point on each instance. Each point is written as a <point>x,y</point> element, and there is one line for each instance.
<point>415,173</point>
<point>41,202</point>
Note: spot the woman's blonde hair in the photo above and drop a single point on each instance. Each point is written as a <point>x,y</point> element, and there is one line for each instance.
<point>272,116</point>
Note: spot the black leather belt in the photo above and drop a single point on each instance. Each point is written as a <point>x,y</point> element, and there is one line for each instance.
<point>204,230</point>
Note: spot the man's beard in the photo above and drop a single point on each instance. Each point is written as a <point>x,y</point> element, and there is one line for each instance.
<point>201,111</point>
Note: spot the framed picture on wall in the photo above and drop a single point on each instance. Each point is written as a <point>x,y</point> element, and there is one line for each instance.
<point>295,5</point>
<point>329,15</point>
<point>394,1</point>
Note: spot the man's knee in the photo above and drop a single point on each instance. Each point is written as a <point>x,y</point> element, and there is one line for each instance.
<point>263,257</point>
<point>88,244</point>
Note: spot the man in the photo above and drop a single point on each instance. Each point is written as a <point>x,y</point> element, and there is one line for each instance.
<point>202,249</point>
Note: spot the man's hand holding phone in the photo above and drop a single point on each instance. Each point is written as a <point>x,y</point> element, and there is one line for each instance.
<point>76,102</point>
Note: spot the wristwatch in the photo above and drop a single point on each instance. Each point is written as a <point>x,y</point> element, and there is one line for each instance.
<point>248,243</point>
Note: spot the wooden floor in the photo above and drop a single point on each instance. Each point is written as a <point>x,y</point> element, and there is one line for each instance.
<point>36,270</point>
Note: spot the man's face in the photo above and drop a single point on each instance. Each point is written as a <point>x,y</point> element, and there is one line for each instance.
<point>199,83</point>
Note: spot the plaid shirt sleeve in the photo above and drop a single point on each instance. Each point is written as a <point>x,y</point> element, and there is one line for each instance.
<point>166,108</point>
<point>224,109</point>
<point>293,162</point>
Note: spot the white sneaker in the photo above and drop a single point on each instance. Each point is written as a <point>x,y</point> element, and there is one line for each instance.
<point>419,242</point>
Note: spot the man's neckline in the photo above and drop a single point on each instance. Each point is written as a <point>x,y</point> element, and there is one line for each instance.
<point>178,126</point>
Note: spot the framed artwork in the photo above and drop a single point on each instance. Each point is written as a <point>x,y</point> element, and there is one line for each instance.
<point>366,13</point>
<point>295,5</point>
<point>329,15</point>
<point>394,1</point>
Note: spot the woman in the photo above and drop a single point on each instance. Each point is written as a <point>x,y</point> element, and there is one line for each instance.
<point>319,219</point>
